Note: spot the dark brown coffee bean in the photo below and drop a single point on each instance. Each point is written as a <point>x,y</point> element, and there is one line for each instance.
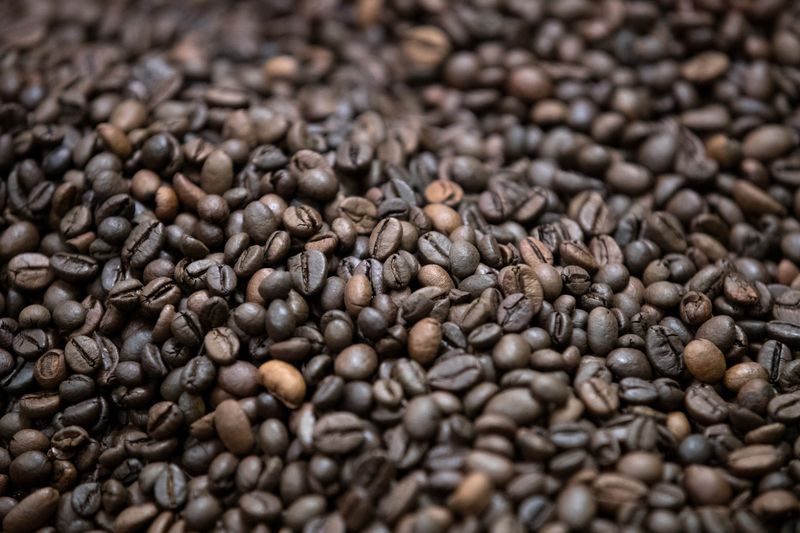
<point>221,345</point>
<point>143,243</point>
<point>135,517</point>
<point>164,420</point>
<point>159,293</point>
<point>785,407</point>
<point>602,330</point>
<point>338,433</point>
<point>51,369</point>
<point>705,405</point>
<point>435,248</point>
<point>706,485</point>
<point>309,271</point>
<point>32,512</point>
<point>614,490</point>
<point>170,490</point>
<point>515,312</point>
<point>768,142</point>
<point>83,355</point>
<point>664,350</point>
<point>385,238</point>
<point>356,362</point>
<point>233,427</point>
<point>187,329</point>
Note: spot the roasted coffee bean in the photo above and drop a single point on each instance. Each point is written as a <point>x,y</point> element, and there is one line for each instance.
<point>602,330</point>
<point>164,420</point>
<point>233,427</point>
<point>704,361</point>
<point>400,267</point>
<point>221,345</point>
<point>30,271</point>
<point>83,355</point>
<point>284,381</point>
<point>309,271</point>
<point>170,490</point>
<point>338,433</point>
<point>30,343</point>
<point>598,396</point>
<point>186,328</point>
<point>424,339</point>
<point>32,512</point>
<point>143,243</point>
<point>664,350</point>
<point>706,486</point>
<point>386,238</point>
<point>705,405</point>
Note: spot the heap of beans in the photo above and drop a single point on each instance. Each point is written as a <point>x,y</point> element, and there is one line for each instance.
<point>400,265</point>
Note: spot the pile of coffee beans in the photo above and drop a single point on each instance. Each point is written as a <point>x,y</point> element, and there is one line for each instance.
<point>410,266</point>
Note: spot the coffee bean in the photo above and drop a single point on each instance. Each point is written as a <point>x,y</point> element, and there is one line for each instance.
<point>739,375</point>
<point>85,500</point>
<point>602,331</point>
<point>534,252</point>
<point>164,420</point>
<point>385,239</point>
<point>233,427</point>
<point>314,177</point>
<point>143,243</point>
<point>30,271</point>
<point>51,369</point>
<point>435,248</point>
<point>355,362</point>
<point>284,381</point>
<point>221,345</point>
<point>768,142</point>
<point>664,350</point>
<point>705,67</point>
<point>511,351</point>
<point>309,271</point>
<point>186,328</point>
<point>774,503</point>
<point>338,433</point>
<point>615,490</point>
<point>472,495</point>
<point>455,373</point>
<point>515,312</point>
<point>32,512</point>
<point>549,285</point>
<point>706,485</point>
<point>216,176</point>
<point>424,339</point>
<point>445,192</point>
<point>135,517</point>
<point>785,407</point>
<point>516,403</point>
<point>260,506</point>
<point>529,83</point>
<point>704,360</point>
<point>170,489</point>
<point>464,258</point>
<point>598,396</point>
<point>82,354</point>
<point>705,405</point>
<point>756,460</point>
<point>397,272</point>
<point>576,506</point>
